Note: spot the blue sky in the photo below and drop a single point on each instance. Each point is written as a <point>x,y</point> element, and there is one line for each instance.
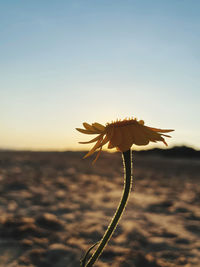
<point>66,62</point>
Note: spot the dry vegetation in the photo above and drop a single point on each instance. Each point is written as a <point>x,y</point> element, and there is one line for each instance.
<point>53,206</point>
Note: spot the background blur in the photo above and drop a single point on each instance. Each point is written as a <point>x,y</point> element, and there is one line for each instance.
<point>66,62</point>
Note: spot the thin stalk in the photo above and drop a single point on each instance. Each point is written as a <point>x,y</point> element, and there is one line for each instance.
<point>127,161</point>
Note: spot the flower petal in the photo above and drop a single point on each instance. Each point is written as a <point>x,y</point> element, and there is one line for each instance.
<point>139,138</point>
<point>152,135</point>
<point>91,141</point>
<point>85,131</point>
<point>126,140</point>
<point>117,136</point>
<point>166,135</point>
<point>98,127</point>
<point>97,156</point>
<point>98,145</point>
<point>160,130</point>
<point>94,148</point>
<point>88,126</point>
<point>164,142</point>
<point>105,140</point>
<point>110,145</point>
<point>155,136</point>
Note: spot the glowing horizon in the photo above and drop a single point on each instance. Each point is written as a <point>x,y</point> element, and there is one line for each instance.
<point>63,63</point>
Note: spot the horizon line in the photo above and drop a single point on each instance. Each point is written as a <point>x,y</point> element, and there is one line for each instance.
<point>85,150</point>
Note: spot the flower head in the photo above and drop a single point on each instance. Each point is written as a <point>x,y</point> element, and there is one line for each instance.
<point>121,135</point>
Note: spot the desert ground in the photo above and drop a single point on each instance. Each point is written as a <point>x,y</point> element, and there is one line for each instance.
<point>55,205</point>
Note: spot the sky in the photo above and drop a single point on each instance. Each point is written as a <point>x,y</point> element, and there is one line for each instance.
<point>63,63</point>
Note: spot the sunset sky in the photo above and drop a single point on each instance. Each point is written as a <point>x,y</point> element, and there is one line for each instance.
<point>66,62</point>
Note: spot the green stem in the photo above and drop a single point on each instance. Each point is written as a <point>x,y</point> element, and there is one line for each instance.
<point>127,160</point>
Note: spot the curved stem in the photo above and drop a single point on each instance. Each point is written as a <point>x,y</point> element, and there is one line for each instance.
<point>127,160</point>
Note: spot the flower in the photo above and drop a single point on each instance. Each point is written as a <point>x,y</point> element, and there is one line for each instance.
<point>121,135</point>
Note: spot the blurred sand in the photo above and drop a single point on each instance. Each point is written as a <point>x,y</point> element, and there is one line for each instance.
<point>54,206</point>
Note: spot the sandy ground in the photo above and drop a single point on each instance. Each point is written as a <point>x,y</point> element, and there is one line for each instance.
<point>54,206</point>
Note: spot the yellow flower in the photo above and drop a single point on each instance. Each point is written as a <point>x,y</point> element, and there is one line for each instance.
<point>121,135</point>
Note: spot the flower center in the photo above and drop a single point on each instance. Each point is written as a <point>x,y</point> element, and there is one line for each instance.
<point>124,122</point>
